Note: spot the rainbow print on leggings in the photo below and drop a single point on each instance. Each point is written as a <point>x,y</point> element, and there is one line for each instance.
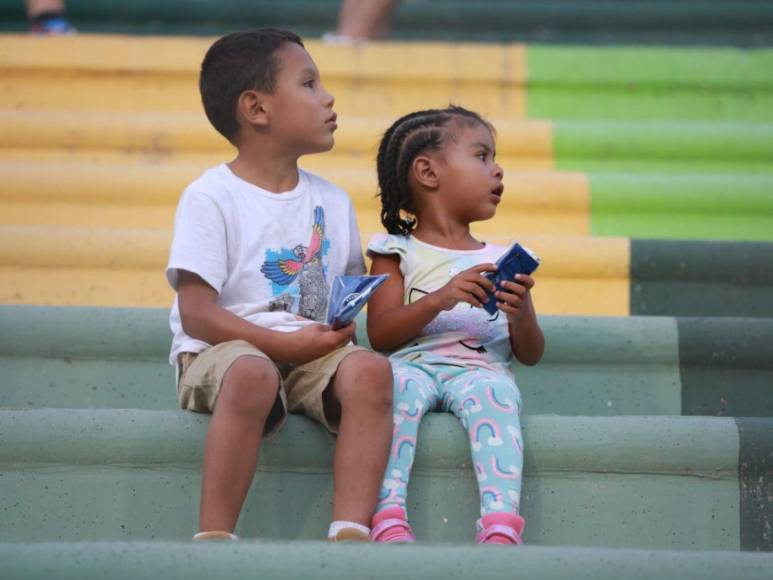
<point>406,415</point>
<point>404,443</point>
<point>493,496</point>
<point>478,432</point>
<point>473,408</point>
<point>509,473</point>
<point>506,407</point>
<point>515,436</point>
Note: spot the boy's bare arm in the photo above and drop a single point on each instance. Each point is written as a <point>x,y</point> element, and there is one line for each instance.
<point>204,319</point>
<point>392,323</point>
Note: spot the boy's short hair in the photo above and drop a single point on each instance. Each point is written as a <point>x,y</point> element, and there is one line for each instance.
<point>236,63</point>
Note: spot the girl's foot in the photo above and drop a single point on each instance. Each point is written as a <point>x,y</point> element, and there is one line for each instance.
<point>390,526</point>
<point>500,528</point>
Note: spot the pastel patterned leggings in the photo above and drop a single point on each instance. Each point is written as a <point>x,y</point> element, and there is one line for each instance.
<point>488,404</point>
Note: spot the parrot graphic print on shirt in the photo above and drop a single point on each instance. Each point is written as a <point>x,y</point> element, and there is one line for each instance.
<point>297,275</point>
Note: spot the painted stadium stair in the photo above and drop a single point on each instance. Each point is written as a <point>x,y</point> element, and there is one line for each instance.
<point>613,482</point>
<point>615,468</point>
<point>100,135</point>
<point>101,358</point>
<point>119,560</point>
<point>649,439</point>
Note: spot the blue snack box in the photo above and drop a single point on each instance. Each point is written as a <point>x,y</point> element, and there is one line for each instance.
<point>348,295</point>
<point>517,260</point>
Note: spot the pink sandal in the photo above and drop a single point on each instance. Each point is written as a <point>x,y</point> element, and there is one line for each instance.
<point>390,526</point>
<point>500,528</point>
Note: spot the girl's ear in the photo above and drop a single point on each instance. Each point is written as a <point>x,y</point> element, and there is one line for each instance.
<point>251,107</point>
<point>425,172</point>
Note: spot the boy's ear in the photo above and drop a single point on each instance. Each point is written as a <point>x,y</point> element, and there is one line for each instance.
<point>251,107</point>
<point>425,172</point>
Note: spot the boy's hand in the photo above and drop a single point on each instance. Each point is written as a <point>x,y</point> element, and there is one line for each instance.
<point>515,297</point>
<point>311,342</point>
<point>468,286</point>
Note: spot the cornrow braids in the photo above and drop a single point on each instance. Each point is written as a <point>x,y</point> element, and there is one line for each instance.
<point>387,137</point>
<point>401,143</point>
<point>393,183</point>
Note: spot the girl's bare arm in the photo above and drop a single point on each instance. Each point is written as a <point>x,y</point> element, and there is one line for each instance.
<point>526,338</point>
<point>392,323</point>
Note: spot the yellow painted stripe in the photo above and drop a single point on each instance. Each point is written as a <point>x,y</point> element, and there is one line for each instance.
<point>74,91</point>
<point>84,287</point>
<point>338,159</point>
<point>39,265</point>
<point>424,61</point>
<point>97,52</point>
<point>145,194</point>
<point>102,73</point>
<point>582,275</point>
<point>51,247</point>
<point>61,133</point>
<point>163,182</point>
<point>431,61</point>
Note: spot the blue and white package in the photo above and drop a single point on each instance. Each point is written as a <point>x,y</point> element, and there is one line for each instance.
<point>348,295</point>
<point>517,260</point>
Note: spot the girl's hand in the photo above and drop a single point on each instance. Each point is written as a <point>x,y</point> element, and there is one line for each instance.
<point>469,286</point>
<point>515,298</point>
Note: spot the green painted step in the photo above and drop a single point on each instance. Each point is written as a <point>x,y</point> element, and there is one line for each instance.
<point>709,149</point>
<point>686,206</point>
<point>726,366</point>
<point>654,84</point>
<point>701,278</point>
<point>600,366</point>
<point>624,482</point>
<point>702,22</point>
<point>275,560</point>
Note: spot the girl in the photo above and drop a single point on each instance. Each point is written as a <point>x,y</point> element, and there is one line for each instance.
<point>448,354</point>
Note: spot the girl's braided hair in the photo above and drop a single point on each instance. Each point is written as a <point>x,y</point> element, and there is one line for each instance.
<point>409,136</point>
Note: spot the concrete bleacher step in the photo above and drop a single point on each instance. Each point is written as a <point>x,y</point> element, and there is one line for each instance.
<point>579,275</point>
<point>279,560</point>
<point>669,146</point>
<point>701,22</point>
<point>114,73</point>
<point>118,121</point>
<point>130,190</point>
<point>693,483</point>
<point>87,208</point>
<point>138,193</point>
<point>92,358</point>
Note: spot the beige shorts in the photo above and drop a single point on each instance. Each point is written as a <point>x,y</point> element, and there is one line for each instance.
<point>300,387</point>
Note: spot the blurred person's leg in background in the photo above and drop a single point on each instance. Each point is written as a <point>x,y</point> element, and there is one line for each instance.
<point>360,20</point>
<point>48,17</point>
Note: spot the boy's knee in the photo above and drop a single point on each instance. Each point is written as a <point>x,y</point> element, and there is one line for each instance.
<point>251,384</point>
<point>366,379</point>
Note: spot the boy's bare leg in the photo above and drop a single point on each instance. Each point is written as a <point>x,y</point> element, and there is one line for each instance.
<point>362,397</point>
<point>246,398</point>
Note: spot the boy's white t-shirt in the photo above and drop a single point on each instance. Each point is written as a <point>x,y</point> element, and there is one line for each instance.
<point>271,257</point>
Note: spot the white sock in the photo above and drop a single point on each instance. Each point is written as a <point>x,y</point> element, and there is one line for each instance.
<point>204,535</point>
<point>339,525</point>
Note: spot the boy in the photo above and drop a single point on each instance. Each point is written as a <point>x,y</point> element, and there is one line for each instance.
<point>252,259</point>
